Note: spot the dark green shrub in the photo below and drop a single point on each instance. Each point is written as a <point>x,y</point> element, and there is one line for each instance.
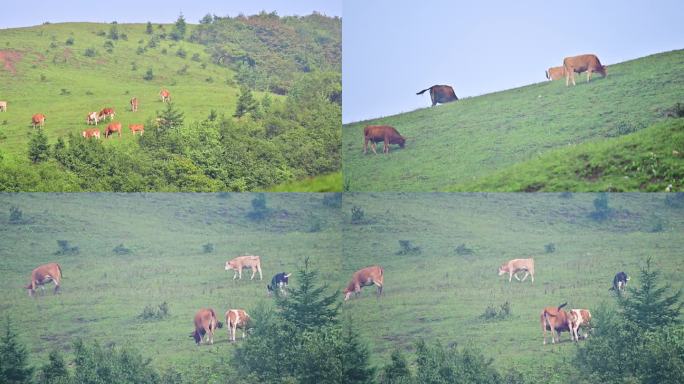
<point>259,210</point>
<point>149,75</point>
<point>121,250</point>
<point>66,249</point>
<point>463,250</point>
<point>90,52</point>
<point>69,41</point>
<point>550,248</point>
<point>407,248</point>
<point>332,200</point>
<point>159,312</point>
<point>208,248</point>
<point>16,216</point>
<point>357,215</point>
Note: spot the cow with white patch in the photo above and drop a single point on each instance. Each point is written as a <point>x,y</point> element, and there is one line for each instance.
<point>44,274</point>
<point>3,106</point>
<point>240,262</point>
<point>205,325</point>
<point>279,281</point>
<point>518,265</point>
<point>579,318</point>
<point>236,318</point>
<point>92,118</point>
<point>365,277</point>
<point>619,282</point>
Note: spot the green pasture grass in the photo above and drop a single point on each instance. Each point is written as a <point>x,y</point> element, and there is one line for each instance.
<point>651,160</point>
<point>104,293</point>
<point>106,80</point>
<point>455,145</point>
<point>325,183</point>
<point>439,295</point>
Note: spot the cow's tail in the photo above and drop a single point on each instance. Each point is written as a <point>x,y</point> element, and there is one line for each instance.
<point>562,305</point>
<point>547,74</point>
<point>60,271</point>
<point>423,91</point>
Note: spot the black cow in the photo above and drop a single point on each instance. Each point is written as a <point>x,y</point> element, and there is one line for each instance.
<point>280,281</point>
<point>619,281</point>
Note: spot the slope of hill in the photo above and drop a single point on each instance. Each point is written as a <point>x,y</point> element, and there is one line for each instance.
<point>67,70</point>
<point>439,291</point>
<point>453,146</point>
<point>138,250</point>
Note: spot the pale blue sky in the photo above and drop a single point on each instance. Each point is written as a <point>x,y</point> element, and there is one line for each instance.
<point>23,13</point>
<point>390,52</point>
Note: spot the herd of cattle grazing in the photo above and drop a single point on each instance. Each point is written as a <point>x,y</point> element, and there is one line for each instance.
<point>93,118</point>
<point>554,319</point>
<point>440,94</point>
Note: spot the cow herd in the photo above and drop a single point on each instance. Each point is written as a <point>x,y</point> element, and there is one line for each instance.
<point>93,118</point>
<point>440,94</point>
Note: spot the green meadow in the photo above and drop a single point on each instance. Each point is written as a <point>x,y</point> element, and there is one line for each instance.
<point>177,246</point>
<point>605,135</point>
<point>67,70</point>
<point>440,291</point>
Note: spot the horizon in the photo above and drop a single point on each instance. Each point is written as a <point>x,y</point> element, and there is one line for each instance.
<point>390,53</point>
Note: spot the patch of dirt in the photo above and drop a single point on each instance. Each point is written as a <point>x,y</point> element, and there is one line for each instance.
<point>534,187</point>
<point>9,59</point>
<point>593,173</point>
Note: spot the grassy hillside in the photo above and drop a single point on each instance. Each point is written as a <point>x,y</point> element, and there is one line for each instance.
<point>67,70</point>
<point>105,292</point>
<point>464,145</point>
<point>440,293</point>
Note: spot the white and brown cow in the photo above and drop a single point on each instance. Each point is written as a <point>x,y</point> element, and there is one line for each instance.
<point>43,275</point>
<point>579,318</point>
<point>555,73</point>
<point>373,275</point>
<point>556,320</point>
<point>134,104</point>
<point>38,120</point>
<point>236,318</point>
<point>518,265</point>
<point>92,118</point>
<point>92,132</point>
<point>106,113</point>
<point>3,106</point>
<point>240,262</point>
<point>165,95</point>
<point>205,324</point>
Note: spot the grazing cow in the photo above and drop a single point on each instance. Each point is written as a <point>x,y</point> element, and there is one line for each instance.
<point>137,128</point>
<point>556,320</point>
<point>111,128</point>
<point>518,265</point>
<point>619,281</point>
<point>579,317</point>
<point>38,120</point>
<point>43,275</point>
<point>92,132</point>
<point>440,94</point>
<point>279,281</point>
<point>92,118</point>
<point>3,106</point>
<point>105,113</point>
<point>205,324</point>
<point>134,104</point>
<point>384,133</point>
<point>165,95</point>
<point>236,318</point>
<point>555,73</point>
<point>582,63</point>
<point>365,277</point>
<point>253,262</point>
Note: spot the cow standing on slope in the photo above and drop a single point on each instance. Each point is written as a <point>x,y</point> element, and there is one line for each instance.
<point>43,275</point>
<point>518,265</point>
<point>579,318</point>
<point>582,63</point>
<point>236,318</point>
<point>619,282</point>
<point>240,262</point>
<point>365,277</point>
<point>205,324</point>
<point>556,320</point>
<point>279,282</point>
<point>440,94</point>
<point>377,133</point>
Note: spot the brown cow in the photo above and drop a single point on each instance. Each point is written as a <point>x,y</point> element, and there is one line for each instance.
<point>92,118</point>
<point>555,73</point>
<point>556,320</point>
<point>43,275</point>
<point>365,277</point>
<point>579,317</point>
<point>38,120</point>
<point>134,104</point>
<point>92,132</point>
<point>105,113</point>
<point>111,128</point>
<point>236,318</point>
<point>582,63</point>
<point>385,133</point>
<point>518,265</point>
<point>137,128</point>
<point>3,106</point>
<point>205,324</point>
<point>165,95</point>
<point>253,262</point>
<point>440,94</point>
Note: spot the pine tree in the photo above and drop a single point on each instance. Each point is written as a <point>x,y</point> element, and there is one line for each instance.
<point>38,147</point>
<point>149,29</point>
<point>307,306</point>
<point>14,366</point>
<point>355,357</point>
<point>397,371</point>
<point>245,103</point>
<point>170,118</point>
<point>648,306</point>
<point>55,371</point>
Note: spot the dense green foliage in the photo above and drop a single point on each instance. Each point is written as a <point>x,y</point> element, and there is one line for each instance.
<point>14,367</point>
<point>194,145</point>
<point>605,135</point>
